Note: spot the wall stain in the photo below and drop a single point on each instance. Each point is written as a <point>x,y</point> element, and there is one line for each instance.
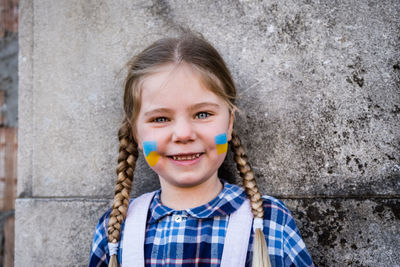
<point>162,9</point>
<point>357,73</point>
<point>395,110</point>
<point>342,225</point>
<point>392,205</point>
<point>292,27</point>
<point>239,8</point>
<point>327,231</point>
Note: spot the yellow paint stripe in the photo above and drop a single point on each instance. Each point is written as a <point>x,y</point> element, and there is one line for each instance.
<point>222,148</point>
<point>152,158</point>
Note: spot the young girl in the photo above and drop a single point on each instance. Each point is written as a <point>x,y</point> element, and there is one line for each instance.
<point>179,112</point>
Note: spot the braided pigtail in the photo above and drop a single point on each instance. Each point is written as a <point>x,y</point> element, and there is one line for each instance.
<point>260,252</point>
<point>128,153</point>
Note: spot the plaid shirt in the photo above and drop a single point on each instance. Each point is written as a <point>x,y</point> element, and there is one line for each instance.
<point>195,237</point>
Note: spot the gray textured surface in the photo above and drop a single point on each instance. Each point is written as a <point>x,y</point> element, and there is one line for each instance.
<point>349,232</point>
<point>55,232</point>
<point>25,103</point>
<point>318,86</point>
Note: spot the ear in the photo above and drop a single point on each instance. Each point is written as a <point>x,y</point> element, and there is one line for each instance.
<point>230,126</point>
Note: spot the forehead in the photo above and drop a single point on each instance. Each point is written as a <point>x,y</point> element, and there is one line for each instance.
<point>175,85</point>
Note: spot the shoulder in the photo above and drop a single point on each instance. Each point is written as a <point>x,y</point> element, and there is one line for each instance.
<point>278,216</point>
<point>99,254</point>
<point>273,201</point>
<point>145,198</point>
<point>275,209</point>
<point>101,227</point>
<point>280,226</point>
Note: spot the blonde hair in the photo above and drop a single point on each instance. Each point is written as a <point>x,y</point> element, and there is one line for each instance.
<point>204,58</point>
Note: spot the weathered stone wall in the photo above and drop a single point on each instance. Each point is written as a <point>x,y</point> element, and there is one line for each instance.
<point>318,85</point>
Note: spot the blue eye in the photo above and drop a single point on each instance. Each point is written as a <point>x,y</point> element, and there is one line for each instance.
<point>202,115</point>
<point>159,119</point>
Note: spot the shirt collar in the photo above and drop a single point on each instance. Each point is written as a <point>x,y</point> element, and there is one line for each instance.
<point>228,201</point>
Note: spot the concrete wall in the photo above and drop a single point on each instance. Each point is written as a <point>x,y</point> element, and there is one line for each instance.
<point>319,89</point>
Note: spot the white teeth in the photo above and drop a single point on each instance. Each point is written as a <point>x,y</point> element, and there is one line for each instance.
<point>186,157</point>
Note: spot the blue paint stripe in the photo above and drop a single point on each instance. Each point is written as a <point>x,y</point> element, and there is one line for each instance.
<point>149,146</point>
<point>221,139</point>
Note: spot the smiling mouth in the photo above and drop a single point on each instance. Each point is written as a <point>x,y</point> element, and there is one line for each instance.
<point>186,157</point>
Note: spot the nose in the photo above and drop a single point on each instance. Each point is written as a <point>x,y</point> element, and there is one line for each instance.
<point>183,131</point>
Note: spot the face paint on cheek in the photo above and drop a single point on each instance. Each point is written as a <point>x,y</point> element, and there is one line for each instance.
<point>222,143</point>
<point>150,152</point>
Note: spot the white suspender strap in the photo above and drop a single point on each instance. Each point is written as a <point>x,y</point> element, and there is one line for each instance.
<point>235,245</point>
<point>237,237</point>
<point>134,231</point>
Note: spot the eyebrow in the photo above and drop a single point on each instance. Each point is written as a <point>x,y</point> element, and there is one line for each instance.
<point>205,104</point>
<point>157,110</point>
<point>194,107</point>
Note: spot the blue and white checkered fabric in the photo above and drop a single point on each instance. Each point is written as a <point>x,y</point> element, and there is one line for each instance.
<point>195,237</point>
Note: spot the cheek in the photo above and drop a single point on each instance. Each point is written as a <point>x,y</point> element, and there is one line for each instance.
<point>221,142</point>
<point>153,146</point>
<point>219,157</point>
<point>150,152</point>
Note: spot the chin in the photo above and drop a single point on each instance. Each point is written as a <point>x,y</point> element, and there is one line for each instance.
<point>187,182</point>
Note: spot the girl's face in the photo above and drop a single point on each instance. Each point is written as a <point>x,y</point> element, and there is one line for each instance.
<point>177,127</point>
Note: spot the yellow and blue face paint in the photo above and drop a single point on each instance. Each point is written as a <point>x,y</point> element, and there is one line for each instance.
<point>222,143</point>
<point>150,152</point>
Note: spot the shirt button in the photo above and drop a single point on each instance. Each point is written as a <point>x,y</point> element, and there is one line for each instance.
<point>178,218</point>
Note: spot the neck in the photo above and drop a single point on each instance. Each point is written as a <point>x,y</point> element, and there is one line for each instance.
<point>180,198</point>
